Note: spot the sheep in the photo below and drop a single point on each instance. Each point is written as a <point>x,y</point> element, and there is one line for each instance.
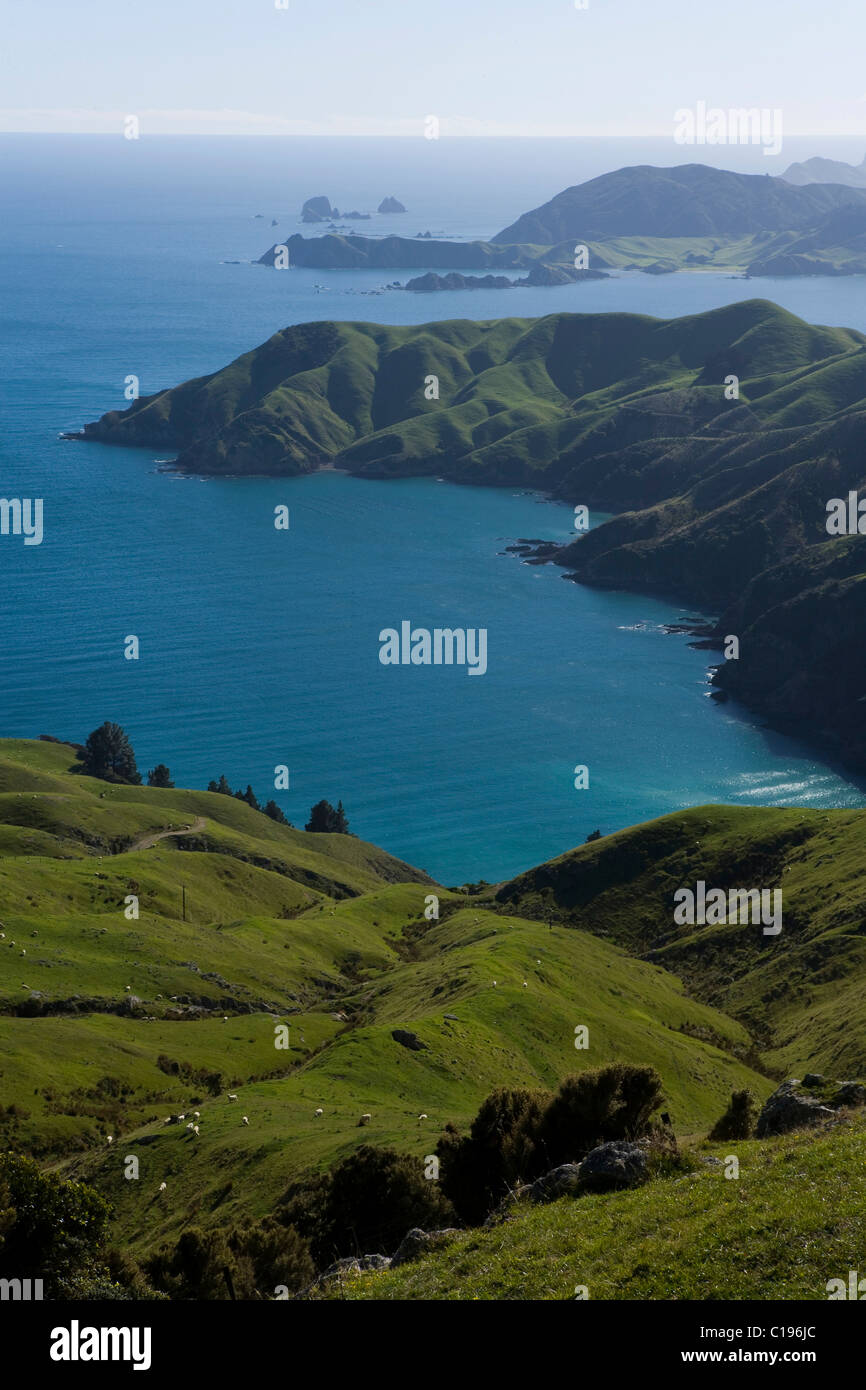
<point>232,1096</point>
<point>181,1117</point>
<point>422,1116</point>
<point>195,1130</point>
<point>167,1121</point>
<point>2,936</point>
<point>196,1114</point>
<point>494,984</point>
<point>525,984</point>
<point>320,1111</point>
<point>127,988</point>
<point>245,1120</point>
<point>163,1186</point>
<point>364,1120</point>
<point>23,952</point>
<point>190,1125</point>
<point>110,1138</point>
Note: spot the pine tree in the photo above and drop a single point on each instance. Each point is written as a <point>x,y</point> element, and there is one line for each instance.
<point>108,754</point>
<point>250,798</point>
<point>159,776</point>
<point>341,825</point>
<point>273,810</point>
<point>223,787</point>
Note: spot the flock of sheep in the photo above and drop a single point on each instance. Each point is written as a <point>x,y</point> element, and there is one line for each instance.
<point>192,1124</point>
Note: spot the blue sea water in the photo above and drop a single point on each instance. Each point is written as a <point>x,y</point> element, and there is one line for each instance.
<point>260,647</point>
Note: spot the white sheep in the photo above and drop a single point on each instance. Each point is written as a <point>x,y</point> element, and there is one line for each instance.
<point>181,1117</point>
<point>195,1129</point>
<point>494,984</point>
<point>168,1121</point>
<point>365,1119</point>
<point>110,1138</point>
<point>163,1186</point>
<point>422,1116</point>
<point>245,1120</point>
<point>320,1111</point>
<point>525,984</point>
<point>232,1096</point>
<point>190,1125</point>
<point>127,988</point>
<point>197,1114</point>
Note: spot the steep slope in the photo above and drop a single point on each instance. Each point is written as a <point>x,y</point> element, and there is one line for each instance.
<point>802,992</point>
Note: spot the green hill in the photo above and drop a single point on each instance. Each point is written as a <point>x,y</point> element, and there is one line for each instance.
<point>720,501</point>
<point>110,1025</point>
<point>688,200</point>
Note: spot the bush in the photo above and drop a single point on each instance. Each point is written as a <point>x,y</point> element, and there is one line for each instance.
<point>49,1229</point>
<point>520,1135</point>
<point>738,1121</point>
<point>498,1153</point>
<point>615,1102</point>
<point>270,1255</point>
<point>365,1205</point>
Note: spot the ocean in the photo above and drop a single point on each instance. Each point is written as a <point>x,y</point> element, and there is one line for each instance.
<point>260,647</point>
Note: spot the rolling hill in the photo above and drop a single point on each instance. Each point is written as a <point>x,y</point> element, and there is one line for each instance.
<point>110,1025</point>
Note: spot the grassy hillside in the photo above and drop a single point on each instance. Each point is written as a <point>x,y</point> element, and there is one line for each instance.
<point>110,1025</point>
<point>801,994</point>
<point>790,1222</point>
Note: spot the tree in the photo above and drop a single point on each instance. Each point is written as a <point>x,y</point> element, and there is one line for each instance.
<point>593,835</point>
<point>250,798</point>
<point>159,776</point>
<point>52,1229</point>
<point>221,786</point>
<point>108,755</point>
<point>273,810</point>
<point>324,820</point>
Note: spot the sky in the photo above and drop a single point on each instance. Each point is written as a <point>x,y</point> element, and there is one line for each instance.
<point>381,67</point>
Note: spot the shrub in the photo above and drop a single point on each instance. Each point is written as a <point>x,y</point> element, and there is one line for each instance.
<point>365,1205</point>
<point>498,1153</point>
<point>615,1102</point>
<point>738,1121</point>
<point>51,1229</point>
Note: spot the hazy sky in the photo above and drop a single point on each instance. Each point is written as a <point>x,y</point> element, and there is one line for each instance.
<point>534,67</point>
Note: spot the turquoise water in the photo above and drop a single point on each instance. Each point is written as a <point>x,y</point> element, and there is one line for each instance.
<point>260,647</point>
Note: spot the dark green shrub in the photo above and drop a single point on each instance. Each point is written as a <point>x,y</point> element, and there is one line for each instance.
<point>738,1121</point>
<point>615,1102</point>
<point>498,1153</point>
<point>365,1205</point>
<point>49,1229</point>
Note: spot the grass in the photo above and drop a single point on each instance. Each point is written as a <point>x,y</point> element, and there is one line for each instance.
<point>789,1223</point>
